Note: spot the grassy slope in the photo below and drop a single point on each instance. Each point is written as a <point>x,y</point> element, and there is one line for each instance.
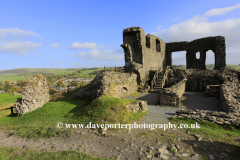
<point>6,101</point>
<point>41,121</point>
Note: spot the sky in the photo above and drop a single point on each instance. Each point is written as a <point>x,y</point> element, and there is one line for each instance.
<point>88,33</point>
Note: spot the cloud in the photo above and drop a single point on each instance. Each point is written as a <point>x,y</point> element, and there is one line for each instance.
<point>221,11</point>
<point>86,45</point>
<point>159,27</point>
<point>54,45</point>
<point>108,46</point>
<point>10,41</point>
<point>176,18</point>
<point>201,26</point>
<point>19,48</point>
<point>101,55</point>
<point>16,33</point>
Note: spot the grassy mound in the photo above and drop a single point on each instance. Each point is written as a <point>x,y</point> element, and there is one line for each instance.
<point>42,122</point>
<point>112,110</point>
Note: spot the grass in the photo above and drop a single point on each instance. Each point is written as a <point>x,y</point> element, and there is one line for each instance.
<point>224,135</point>
<point>6,101</point>
<point>212,130</point>
<point>42,121</point>
<point>135,94</point>
<point>29,72</point>
<point>20,154</point>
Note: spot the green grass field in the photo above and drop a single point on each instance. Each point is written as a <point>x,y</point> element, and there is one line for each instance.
<point>7,100</point>
<point>30,72</point>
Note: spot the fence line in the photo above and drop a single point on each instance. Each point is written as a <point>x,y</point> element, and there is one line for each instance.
<point>59,94</point>
<point>116,69</point>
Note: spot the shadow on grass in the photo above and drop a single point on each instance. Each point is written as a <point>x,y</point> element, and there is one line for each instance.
<point>219,150</point>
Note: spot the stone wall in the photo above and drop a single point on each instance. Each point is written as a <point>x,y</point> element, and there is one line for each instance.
<point>199,79</point>
<point>34,95</point>
<point>137,106</point>
<point>113,84</point>
<point>229,90</point>
<point>202,45</point>
<point>211,116</point>
<point>142,52</point>
<point>172,96</point>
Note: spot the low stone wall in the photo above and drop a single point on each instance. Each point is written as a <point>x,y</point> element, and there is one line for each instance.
<point>229,90</point>
<point>199,79</point>
<point>211,116</point>
<point>34,95</point>
<point>229,99</point>
<point>136,106</point>
<point>113,84</point>
<point>172,96</point>
<point>213,91</point>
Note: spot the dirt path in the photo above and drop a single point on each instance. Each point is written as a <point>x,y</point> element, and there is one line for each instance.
<point>131,145</point>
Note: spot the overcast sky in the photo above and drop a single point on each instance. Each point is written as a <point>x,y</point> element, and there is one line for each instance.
<point>80,33</point>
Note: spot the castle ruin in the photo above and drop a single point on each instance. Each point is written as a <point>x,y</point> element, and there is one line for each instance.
<point>144,52</point>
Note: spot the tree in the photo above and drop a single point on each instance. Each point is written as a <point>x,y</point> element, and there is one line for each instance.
<point>19,90</point>
<point>79,71</point>
<point>12,89</point>
<point>52,91</point>
<point>7,86</point>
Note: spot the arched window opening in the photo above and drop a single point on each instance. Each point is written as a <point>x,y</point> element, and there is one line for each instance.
<point>198,55</point>
<point>210,59</point>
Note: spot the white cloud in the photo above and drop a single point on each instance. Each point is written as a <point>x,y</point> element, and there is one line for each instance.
<point>54,45</point>
<point>10,41</point>
<point>103,55</point>
<point>108,46</point>
<point>86,45</point>
<point>16,33</point>
<point>176,18</point>
<point>200,26</point>
<point>19,48</point>
<point>221,11</point>
<point>159,27</point>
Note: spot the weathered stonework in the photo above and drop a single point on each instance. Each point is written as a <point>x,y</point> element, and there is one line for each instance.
<point>113,84</point>
<point>34,95</point>
<point>202,45</point>
<point>171,96</point>
<point>144,52</point>
<point>137,106</point>
<point>217,117</point>
<point>229,90</point>
<point>213,91</point>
